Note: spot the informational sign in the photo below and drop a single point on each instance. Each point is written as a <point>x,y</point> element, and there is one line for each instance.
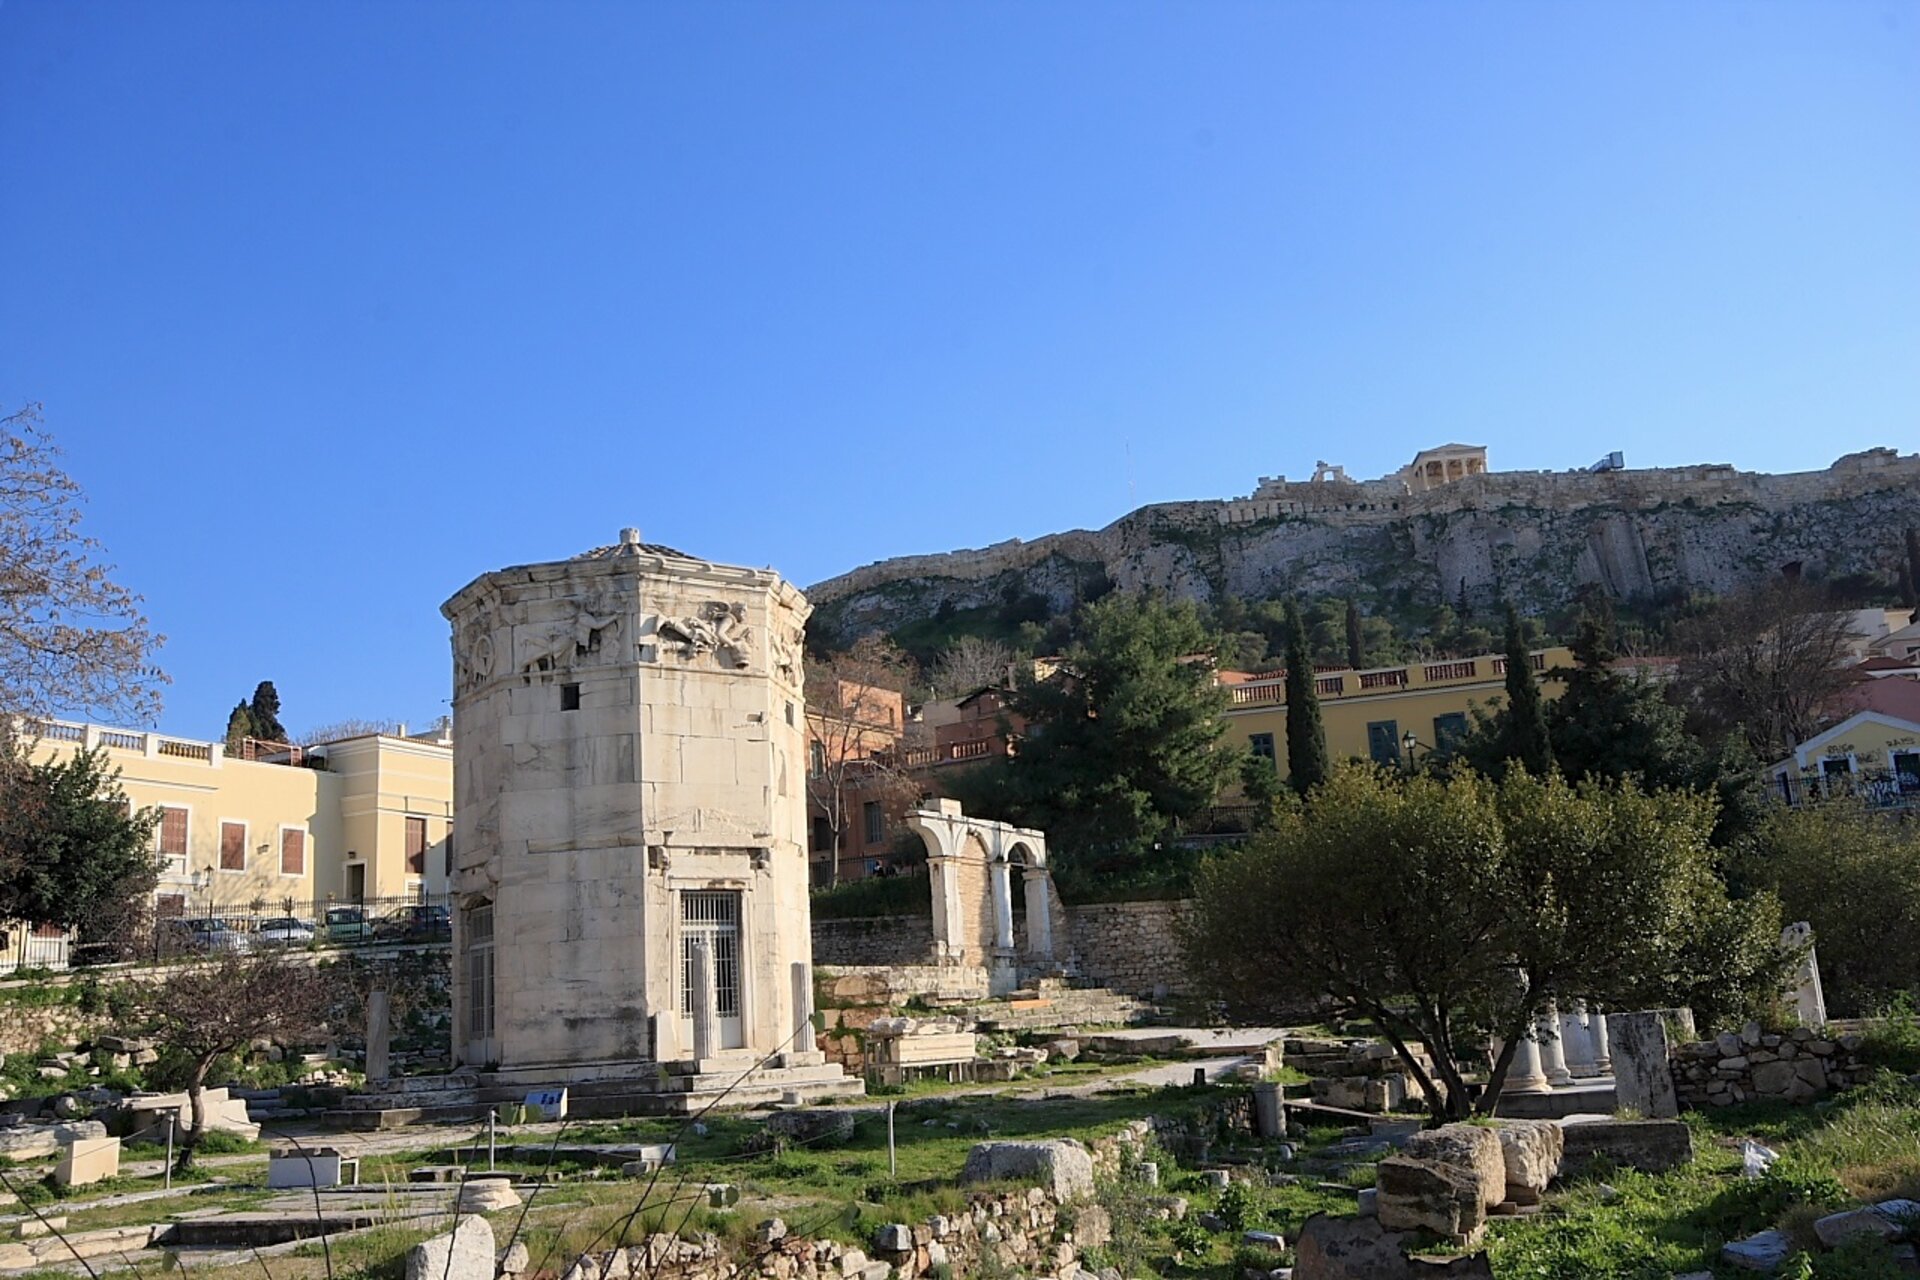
<point>548,1104</point>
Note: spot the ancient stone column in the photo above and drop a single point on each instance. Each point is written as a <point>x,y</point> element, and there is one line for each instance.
<point>1576,1041</point>
<point>706,1009</point>
<point>1002,881</point>
<point>1552,1057</point>
<point>1523,1073</point>
<point>1039,917</point>
<point>1602,1058</point>
<point>378,1034</point>
<point>803,1038</point>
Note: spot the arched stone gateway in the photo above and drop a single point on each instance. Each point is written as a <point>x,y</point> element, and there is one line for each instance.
<point>970,863</point>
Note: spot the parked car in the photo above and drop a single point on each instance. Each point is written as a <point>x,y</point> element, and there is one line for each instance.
<point>194,934</point>
<point>284,931</point>
<point>416,923</point>
<point>348,924</point>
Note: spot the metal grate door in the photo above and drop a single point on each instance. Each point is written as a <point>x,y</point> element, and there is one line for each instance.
<point>715,915</point>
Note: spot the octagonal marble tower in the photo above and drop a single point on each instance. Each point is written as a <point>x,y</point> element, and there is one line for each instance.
<point>630,871</point>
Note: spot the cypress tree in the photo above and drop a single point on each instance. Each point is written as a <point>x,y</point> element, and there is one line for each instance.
<point>239,725</point>
<point>1525,714</point>
<point>266,713</point>
<point>1307,763</point>
<point>1356,648</point>
<point>1913,565</point>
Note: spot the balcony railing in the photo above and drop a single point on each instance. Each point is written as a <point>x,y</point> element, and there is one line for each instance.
<point>1434,671</point>
<point>1396,678</point>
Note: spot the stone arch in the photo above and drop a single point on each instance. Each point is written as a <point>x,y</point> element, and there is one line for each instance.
<point>970,864</point>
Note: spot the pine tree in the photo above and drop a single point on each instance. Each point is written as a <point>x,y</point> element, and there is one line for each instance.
<point>1356,646</point>
<point>1524,727</point>
<point>265,711</point>
<point>1307,762</point>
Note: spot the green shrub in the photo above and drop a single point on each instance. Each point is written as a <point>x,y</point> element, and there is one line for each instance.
<point>1894,1041</point>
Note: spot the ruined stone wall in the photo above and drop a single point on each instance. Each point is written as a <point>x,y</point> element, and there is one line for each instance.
<point>851,998</point>
<point>1132,947</point>
<point>1797,1066</point>
<point>875,940</point>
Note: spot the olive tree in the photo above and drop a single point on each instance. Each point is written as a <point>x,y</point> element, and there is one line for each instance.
<point>1448,912</point>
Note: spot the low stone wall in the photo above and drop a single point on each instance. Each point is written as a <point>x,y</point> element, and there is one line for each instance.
<point>875,940</point>
<point>1132,947</point>
<point>1007,1233</point>
<point>851,998</point>
<point>1796,1066</point>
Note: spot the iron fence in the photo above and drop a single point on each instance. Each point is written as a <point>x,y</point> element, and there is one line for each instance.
<point>1877,788</point>
<point>199,922</point>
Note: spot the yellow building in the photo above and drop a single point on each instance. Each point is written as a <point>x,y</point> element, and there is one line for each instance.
<point>1368,714</point>
<point>289,830</point>
<point>396,814</point>
<point>1870,754</point>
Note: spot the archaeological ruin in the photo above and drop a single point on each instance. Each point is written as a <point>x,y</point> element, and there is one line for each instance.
<point>630,878</point>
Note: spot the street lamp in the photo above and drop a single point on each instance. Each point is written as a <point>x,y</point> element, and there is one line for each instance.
<point>1409,742</point>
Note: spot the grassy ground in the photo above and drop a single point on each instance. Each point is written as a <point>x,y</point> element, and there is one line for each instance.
<point>1610,1225</point>
<point>1623,1225</point>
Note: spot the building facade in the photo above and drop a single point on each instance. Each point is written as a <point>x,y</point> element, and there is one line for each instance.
<point>234,837</point>
<point>288,832</point>
<point>396,815</point>
<point>1368,714</point>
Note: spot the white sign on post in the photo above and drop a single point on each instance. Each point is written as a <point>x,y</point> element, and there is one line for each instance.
<point>548,1104</point>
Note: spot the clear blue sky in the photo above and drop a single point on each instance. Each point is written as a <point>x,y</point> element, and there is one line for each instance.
<point>336,306</point>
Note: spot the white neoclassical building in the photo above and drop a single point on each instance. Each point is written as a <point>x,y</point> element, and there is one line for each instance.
<point>630,866</point>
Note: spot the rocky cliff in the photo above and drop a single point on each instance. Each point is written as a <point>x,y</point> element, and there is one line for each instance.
<point>1533,537</point>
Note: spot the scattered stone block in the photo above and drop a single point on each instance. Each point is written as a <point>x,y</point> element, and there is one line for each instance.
<point>87,1160</point>
<point>895,1237</point>
<point>1642,1072</point>
<point>515,1258</point>
<point>1473,1149</point>
<point>1531,1150</point>
<point>813,1126</point>
<point>435,1173</point>
<point>722,1195</point>
<point>1332,1248</point>
<point>1651,1146</point>
<point>465,1253</point>
<point>1887,1220</point>
<point>1767,1251</point>
<point>772,1231</point>
<point>487,1194</point>
<point>1061,1165</point>
<point>1428,1195</point>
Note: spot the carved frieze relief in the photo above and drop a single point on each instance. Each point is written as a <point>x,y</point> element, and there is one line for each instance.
<point>718,629</point>
<point>568,644</point>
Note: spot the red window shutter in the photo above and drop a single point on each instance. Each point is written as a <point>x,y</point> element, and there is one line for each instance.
<point>416,846</point>
<point>233,846</point>
<point>173,832</point>
<point>293,852</point>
